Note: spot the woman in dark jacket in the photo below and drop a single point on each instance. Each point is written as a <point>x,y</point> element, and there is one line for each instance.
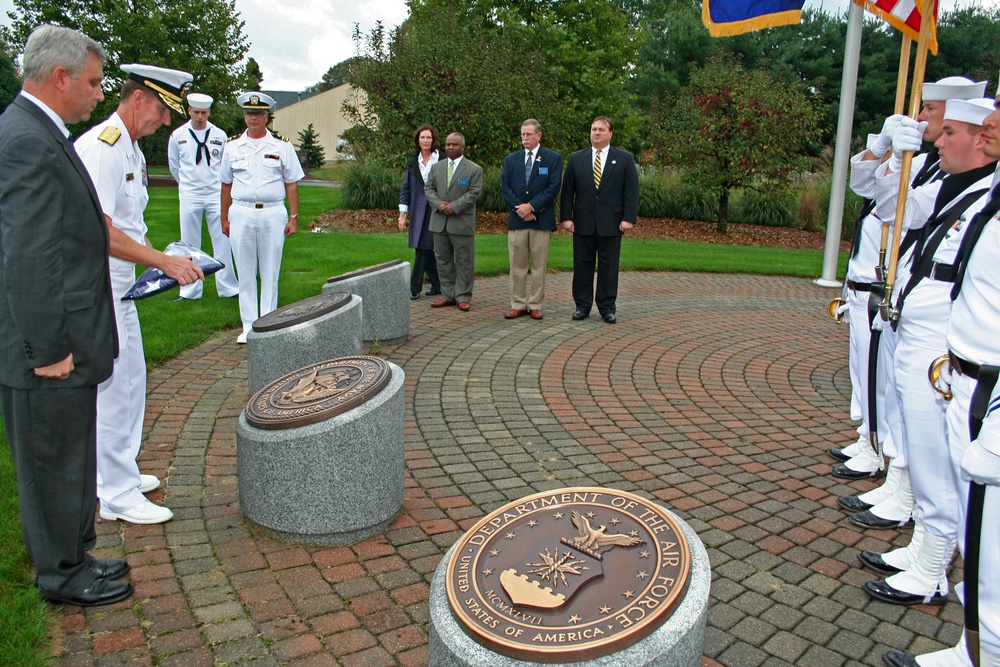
<point>413,205</point>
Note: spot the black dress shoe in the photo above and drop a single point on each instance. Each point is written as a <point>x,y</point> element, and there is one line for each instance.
<point>414,296</point>
<point>847,473</point>
<point>432,292</point>
<point>899,659</point>
<point>609,318</point>
<point>874,562</point>
<point>838,454</point>
<point>880,590</point>
<point>868,520</point>
<point>102,591</point>
<point>109,568</point>
<point>580,315</point>
<point>853,504</point>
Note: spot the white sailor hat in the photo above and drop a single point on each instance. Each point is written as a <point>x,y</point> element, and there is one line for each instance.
<point>170,85</point>
<point>199,101</point>
<point>973,112</point>
<point>953,88</point>
<point>255,101</point>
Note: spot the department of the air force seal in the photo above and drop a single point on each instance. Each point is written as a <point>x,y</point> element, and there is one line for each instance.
<point>568,575</point>
<point>317,392</point>
<point>302,311</point>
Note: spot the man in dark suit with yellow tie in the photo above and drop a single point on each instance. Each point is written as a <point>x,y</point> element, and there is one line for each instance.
<point>57,321</point>
<point>600,201</point>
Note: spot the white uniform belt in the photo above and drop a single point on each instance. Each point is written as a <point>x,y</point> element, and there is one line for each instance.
<point>258,204</point>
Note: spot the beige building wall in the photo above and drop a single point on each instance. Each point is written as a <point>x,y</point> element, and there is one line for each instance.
<point>324,112</point>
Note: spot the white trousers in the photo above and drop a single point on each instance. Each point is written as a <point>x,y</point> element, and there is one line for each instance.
<point>258,237</point>
<point>121,407</point>
<point>192,211</point>
<point>989,557</point>
<point>925,440</point>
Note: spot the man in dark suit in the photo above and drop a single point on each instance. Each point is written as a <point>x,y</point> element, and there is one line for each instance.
<point>452,188</point>
<point>57,322</point>
<point>600,201</point>
<point>529,184</point>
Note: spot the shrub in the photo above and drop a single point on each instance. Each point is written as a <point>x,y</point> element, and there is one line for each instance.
<point>814,207</point>
<point>491,199</point>
<point>370,185</point>
<point>669,194</point>
<point>776,208</point>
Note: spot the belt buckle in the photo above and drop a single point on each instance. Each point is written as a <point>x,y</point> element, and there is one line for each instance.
<point>953,360</point>
<point>933,274</point>
<point>258,205</point>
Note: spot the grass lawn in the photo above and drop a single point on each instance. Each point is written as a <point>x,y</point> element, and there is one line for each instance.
<point>309,259</point>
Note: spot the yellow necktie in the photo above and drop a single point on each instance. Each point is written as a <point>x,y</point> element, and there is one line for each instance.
<point>451,170</point>
<point>597,170</point>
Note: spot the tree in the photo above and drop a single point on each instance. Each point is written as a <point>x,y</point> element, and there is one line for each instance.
<point>731,127</point>
<point>335,76</point>
<point>10,81</point>
<point>310,151</point>
<point>203,37</point>
<point>254,77</point>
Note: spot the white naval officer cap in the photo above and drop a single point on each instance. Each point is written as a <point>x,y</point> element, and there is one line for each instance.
<point>973,112</point>
<point>199,101</point>
<point>953,88</point>
<point>255,101</point>
<point>170,85</point>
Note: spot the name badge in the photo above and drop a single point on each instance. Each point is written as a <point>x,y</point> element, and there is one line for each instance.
<point>182,141</point>
<point>464,182</point>
<point>543,171</point>
<point>130,176</point>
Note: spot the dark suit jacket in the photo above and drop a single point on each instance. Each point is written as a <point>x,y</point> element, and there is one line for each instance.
<point>540,191</point>
<point>55,288</point>
<point>600,211</point>
<point>412,195</point>
<point>462,194</point>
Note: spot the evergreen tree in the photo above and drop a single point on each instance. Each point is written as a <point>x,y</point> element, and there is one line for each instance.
<point>311,153</point>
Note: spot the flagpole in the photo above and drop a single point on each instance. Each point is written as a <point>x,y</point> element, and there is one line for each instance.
<point>904,70</point>
<point>842,147</point>
<point>926,25</point>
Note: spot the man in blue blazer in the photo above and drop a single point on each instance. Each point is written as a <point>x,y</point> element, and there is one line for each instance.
<point>529,184</point>
<point>600,201</point>
<point>57,321</point>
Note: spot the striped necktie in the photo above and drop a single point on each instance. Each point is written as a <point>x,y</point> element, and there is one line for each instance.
<point>451,170</point>
<point>597,170</point>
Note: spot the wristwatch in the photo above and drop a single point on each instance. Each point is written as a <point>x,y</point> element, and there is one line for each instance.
<point>294,216</point>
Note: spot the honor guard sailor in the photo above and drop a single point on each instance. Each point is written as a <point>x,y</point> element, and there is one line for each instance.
<point>259,171</point>
<point>194,154</point>
<point>110,150</point>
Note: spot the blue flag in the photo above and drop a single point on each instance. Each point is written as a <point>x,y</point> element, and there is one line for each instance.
<point>734,17</point>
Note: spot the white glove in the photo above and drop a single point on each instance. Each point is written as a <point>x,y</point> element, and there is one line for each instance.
<point>980,465</point>
<point>909,136</point>
<point>878,324</point>
<point>883,143</point>
<point>842,313</point>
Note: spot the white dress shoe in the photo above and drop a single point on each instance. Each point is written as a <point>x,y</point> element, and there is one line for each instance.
<point>145,512</point>
<point>148,483</point>
<point>242,338</point>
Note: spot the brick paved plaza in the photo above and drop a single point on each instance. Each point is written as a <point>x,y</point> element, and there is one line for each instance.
<point>716,395</point>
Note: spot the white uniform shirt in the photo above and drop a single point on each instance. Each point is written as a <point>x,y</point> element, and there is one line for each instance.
<point>927,308</point>
<point>259,169</point>
<point>196,180</point>
<point>119,175</point>
<point>975,315</point>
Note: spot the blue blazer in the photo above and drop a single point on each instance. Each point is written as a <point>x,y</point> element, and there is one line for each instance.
<point>540,191</point>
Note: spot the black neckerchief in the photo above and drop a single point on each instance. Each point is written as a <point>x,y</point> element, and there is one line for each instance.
<point>201,147</point>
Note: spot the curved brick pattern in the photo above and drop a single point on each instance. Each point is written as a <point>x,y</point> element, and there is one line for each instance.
<point>717,395</point>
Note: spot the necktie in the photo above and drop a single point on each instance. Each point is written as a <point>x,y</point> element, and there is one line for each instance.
<point>451,170</point>
<point>527,167</point>
<point>201,147</point>
<point>597,170</point>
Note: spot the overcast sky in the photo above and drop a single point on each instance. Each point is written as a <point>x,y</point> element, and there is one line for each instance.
<point>296,42</point>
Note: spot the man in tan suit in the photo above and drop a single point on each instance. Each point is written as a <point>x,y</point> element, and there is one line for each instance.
<point>452,189</point>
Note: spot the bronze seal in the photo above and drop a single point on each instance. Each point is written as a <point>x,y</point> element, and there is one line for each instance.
<point>568,575</point>
<point>364,271</point>
<point>302,311</point>
<point>317,392</point>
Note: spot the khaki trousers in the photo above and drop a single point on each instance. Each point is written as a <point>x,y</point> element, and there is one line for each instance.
<point>524,247</point>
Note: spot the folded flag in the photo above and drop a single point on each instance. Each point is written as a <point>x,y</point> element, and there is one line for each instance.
<point>153,281</point>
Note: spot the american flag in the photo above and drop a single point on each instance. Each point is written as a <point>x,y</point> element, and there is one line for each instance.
<point>904,15</point>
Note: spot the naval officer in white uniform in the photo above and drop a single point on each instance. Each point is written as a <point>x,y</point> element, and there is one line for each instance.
<point>259,171</point>
<point>110,151</point>
<point>194,155</point>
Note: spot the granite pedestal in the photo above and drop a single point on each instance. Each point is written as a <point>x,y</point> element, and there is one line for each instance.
<point>385,291</point>
<point>336,481</point>
<point>679,642</point>
<point>275,352</point>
